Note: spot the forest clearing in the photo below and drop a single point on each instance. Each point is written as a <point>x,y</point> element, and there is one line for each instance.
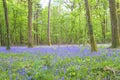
<point>59,39</point>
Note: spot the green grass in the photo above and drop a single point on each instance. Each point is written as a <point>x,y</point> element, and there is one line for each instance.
<point>74,68</point>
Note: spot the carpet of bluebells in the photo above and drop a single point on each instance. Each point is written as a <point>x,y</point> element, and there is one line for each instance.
<point>64,62</point>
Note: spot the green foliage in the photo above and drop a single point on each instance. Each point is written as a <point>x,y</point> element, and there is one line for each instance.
<point>24,66</point>
<point>66,26</point>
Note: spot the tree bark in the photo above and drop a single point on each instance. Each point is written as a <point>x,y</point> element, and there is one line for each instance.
<point>104,22</point>
<point>35,28</point>
<point>104,30</point>
<point>114,27</point>
<point>48,31</point>
<point>37,35</point>
<point>36,16</point>
<point>30,43</point>
<point>0,34</point>
<point>90,27</point>
<point>118,16</point>
<point>119,23</point>
<point>13,38</point>
<point>7,24</point>
<point>21,35</point>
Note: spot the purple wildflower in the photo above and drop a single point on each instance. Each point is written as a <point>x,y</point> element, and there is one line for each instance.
<point>62,78</point>
<point>22,72</point>
<point>30,78</point>
<point>45,67</point>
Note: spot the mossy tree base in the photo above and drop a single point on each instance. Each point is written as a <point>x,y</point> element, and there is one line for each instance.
<point>49,44</point>
<point>114,46</point>
<point>30,45</point>
<point>94,46</point>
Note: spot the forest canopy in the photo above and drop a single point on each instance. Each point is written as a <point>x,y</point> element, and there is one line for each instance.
<point>56,22</point>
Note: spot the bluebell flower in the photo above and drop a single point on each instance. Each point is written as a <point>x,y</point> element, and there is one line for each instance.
<point>30,78</point>
<point>62,78</point>
<point>22,72</point>
<point>17,78</point>
<point>65,70</point>
<point>45,67</point>
<point>60,51</point>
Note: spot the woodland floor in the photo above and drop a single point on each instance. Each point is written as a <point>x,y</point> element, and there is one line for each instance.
<point>60,62</point>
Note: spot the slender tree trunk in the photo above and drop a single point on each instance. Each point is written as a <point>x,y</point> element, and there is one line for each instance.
<point>119,24</point>
<point>30,43</point>
<point>3,38</point>
<point>104,30</point>
<point>90,26</point>
<point>114,27</point>
<point>7,24</point>
<point>0,34</point>
<point>48,31</point>
<point>37,36</point>
<point>36,16</point>
<point>21,36</point>
<point>15,16</point>
<point>13,37</point>
<point>118,16</point>
<point>104,22</point>
<point>35,29</point>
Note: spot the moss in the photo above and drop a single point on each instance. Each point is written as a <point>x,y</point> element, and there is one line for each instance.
<point>30,45</point>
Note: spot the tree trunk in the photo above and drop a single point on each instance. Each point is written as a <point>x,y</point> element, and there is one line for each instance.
<point>114,27</point>
<point>0,34</point>
<point>35,29</point>
<point>15,16</point>
<point>37,35</point>
<point>119,23</point>
<point>118,16</point>
<point>103,23</point>
<point>90,26</point>
<point>104,30</point>
<point>7,24</point>
<point>36,16</point>
<point>21,36</point>
<point>3,38</point>
<point>30,43</point>
<point>13,37</point>
<point>48,31</point>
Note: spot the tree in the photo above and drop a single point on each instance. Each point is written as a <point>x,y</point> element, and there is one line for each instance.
<point>67,20</point>
<point>104,20</point>
<point>48,30</point>
<point>114,27</point>
<point>37,11</point>
<point>118,16</point>
<point>0,34</point>
<point>14,28</point>
<point>30,43</point>
<point>21,35</point>
<point>7,24</point>
<point>90,26</point>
